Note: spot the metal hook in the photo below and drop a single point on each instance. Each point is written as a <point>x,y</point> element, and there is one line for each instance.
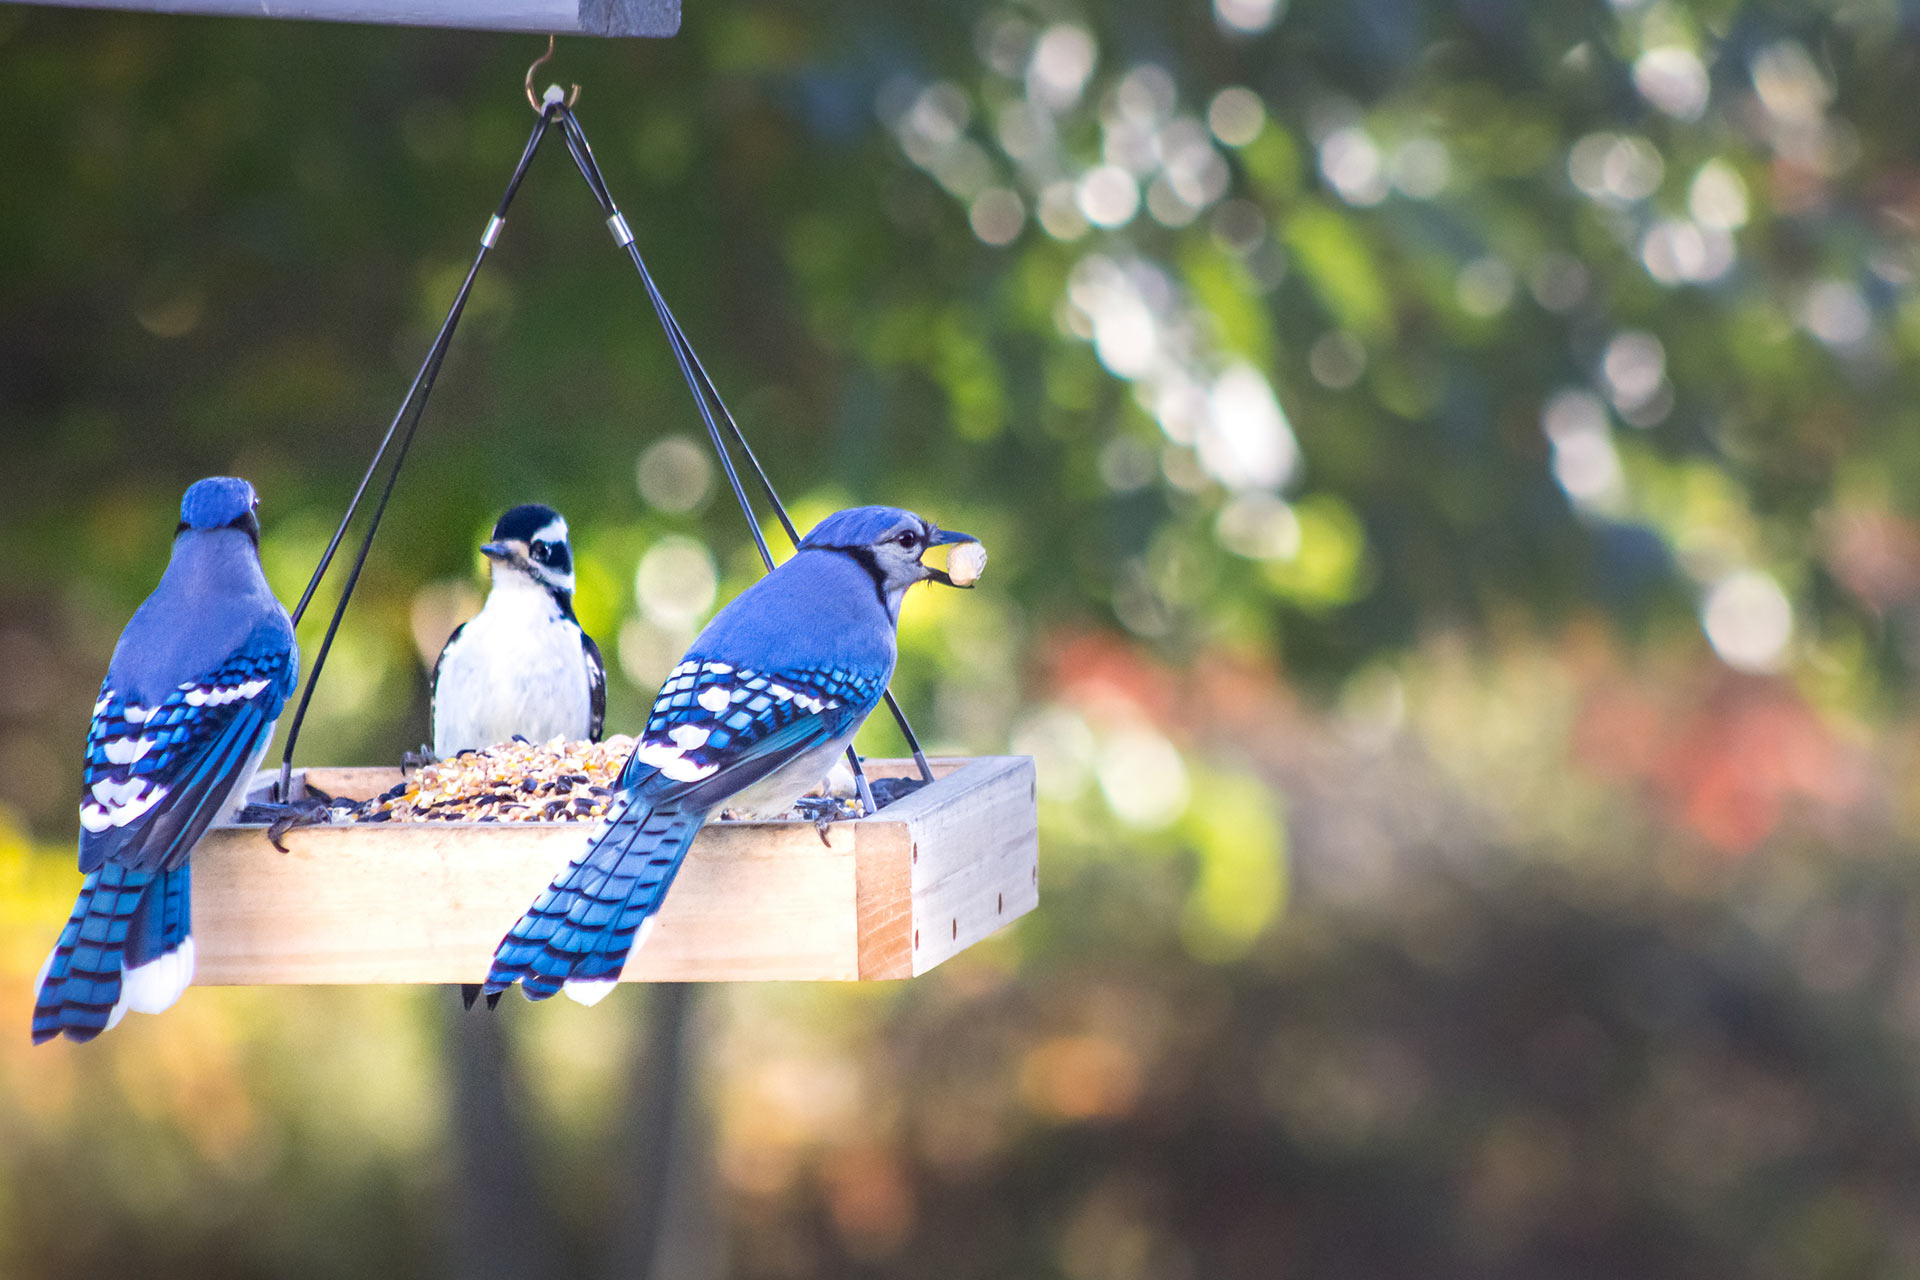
<point>538,62</point>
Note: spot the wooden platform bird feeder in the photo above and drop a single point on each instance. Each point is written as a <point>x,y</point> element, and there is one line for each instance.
<point>888,896</point>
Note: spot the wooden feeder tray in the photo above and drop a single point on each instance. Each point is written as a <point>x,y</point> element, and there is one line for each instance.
<point>889,896</point>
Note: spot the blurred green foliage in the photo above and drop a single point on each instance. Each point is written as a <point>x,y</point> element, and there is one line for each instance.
<point>1449,471</point>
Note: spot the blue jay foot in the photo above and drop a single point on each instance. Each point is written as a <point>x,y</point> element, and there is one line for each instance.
<point>314,808</point>
<point>470,992</point>
<point>824,811</point>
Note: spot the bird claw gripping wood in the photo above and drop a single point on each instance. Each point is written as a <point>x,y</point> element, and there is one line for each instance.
<point>824,811</point>
<point>314,808</point>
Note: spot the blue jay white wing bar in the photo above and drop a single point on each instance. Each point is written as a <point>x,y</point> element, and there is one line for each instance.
<point>538,17</point>
<point>891,896</point>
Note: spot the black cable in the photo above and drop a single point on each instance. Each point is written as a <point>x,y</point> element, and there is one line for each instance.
<point>582,153</point>
<point>739,437</point>
<point>412,408</point>
<point>703,389</point>
<point>682,351</point>
<point>326,557</point>
<point>786,522</point>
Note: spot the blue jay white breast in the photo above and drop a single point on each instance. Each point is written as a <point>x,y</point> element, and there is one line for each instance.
<point>522,666</point>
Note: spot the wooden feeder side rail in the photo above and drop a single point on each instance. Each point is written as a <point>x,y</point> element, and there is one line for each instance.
<point>886,897</point>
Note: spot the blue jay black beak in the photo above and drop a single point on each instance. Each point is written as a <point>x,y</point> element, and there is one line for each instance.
<point>942,538</point>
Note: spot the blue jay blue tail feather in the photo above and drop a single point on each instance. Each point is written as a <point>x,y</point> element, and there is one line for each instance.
<point>127,945</point>
<point>579,931</point>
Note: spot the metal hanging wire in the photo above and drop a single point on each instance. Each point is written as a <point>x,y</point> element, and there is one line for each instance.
<point>412,407</point>
<point>554,107</point>
<point>706,397</point>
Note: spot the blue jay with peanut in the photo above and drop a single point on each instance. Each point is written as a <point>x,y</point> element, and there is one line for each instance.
<point>768,696</point>
<point>185,714</point>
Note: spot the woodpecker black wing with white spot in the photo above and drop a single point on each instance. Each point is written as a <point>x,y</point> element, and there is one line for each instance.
<point>157,776</point>
<point>596,688</point>
<point>433,692</point>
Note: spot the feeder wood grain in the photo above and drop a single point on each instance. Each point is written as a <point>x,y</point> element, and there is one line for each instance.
<point>891,896</point>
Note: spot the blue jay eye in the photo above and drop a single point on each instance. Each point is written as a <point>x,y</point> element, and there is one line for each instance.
<point>908,540</point>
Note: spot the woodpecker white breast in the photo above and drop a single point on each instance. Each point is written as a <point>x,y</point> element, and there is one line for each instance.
<point>523,665</point>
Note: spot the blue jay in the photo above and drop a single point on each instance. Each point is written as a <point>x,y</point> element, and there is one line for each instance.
<point>523,665</point>
<point>184,715</point>
<point>758,709</point>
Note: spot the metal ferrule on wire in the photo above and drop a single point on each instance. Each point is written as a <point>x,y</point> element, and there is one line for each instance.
<point>555,106</point>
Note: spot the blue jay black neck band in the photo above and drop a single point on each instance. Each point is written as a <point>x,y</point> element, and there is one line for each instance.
<point>706,395</point>
<point>864,557</point>
<point>412,407</point>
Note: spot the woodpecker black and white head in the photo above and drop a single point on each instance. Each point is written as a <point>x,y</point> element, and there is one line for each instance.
<point>531,539</point>
<point>523,666</point>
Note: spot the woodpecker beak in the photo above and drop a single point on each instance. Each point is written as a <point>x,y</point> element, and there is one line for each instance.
<point>508,553</point>
<point>942,538</point>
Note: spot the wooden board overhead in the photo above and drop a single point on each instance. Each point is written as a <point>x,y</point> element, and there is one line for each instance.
<point>538,17</point>
<point>889,896</point>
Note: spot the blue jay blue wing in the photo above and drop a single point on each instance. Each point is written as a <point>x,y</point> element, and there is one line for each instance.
<point>715,729</point>
<point>156,777</point>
